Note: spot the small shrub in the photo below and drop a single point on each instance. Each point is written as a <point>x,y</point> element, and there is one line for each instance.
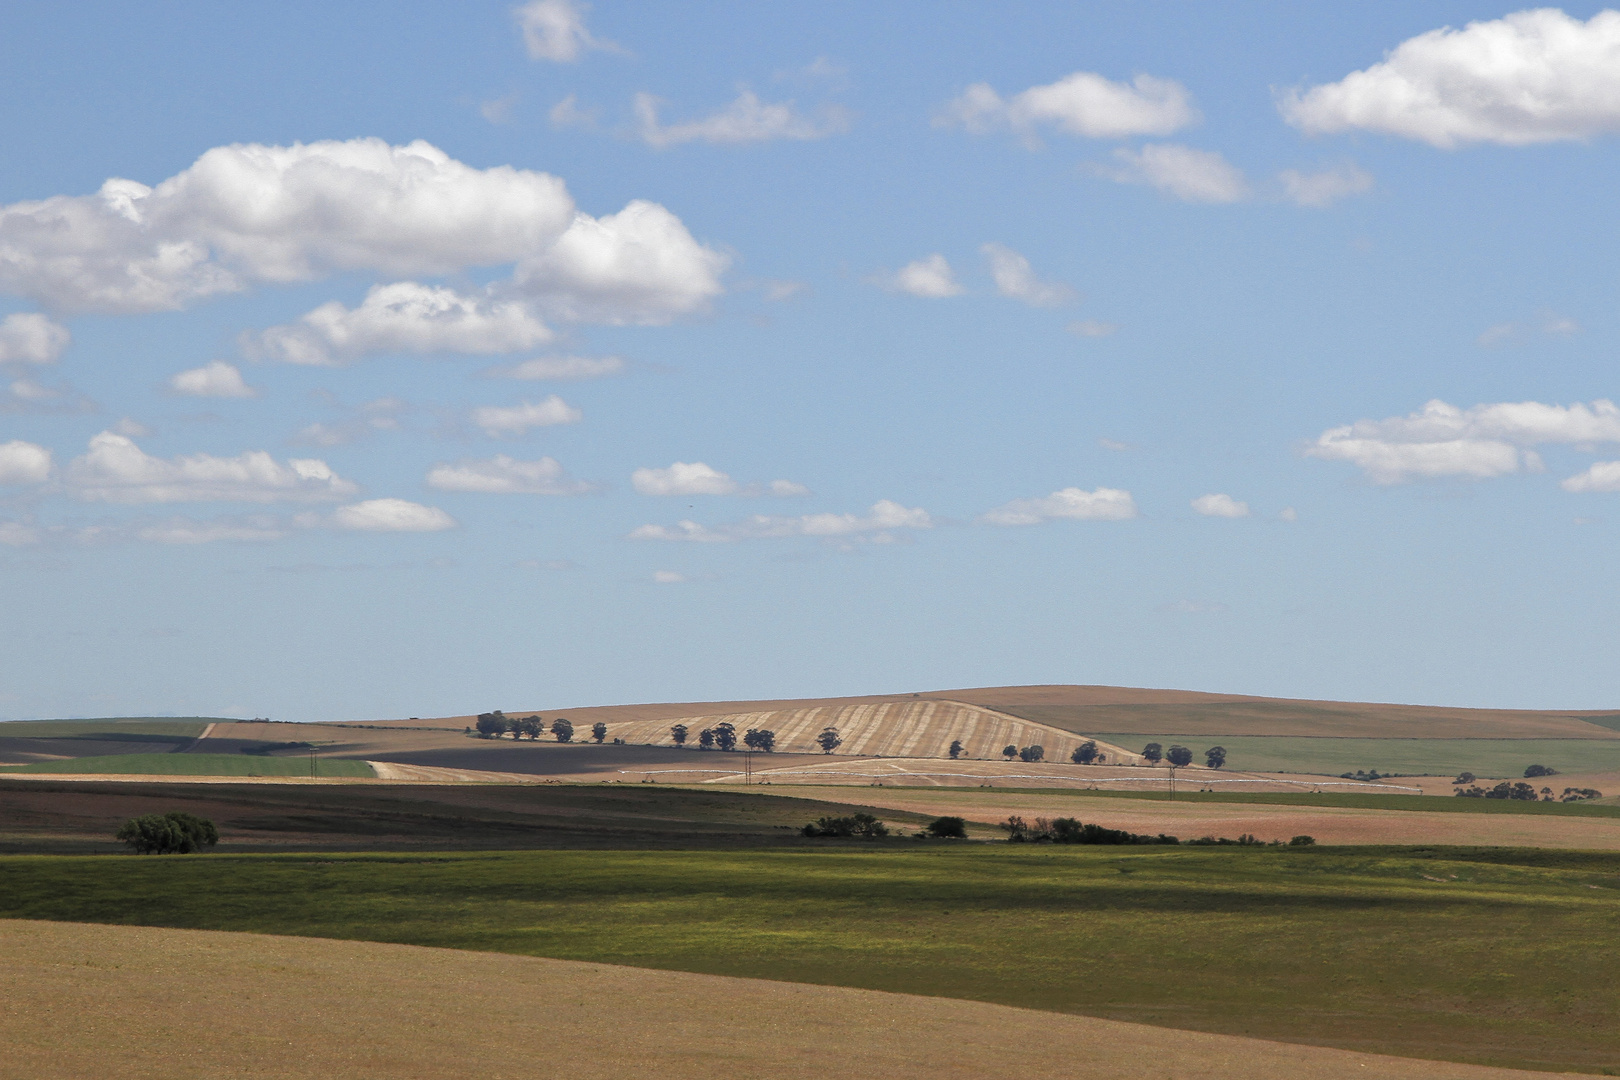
<point>174,833</point>
<point>1302,841</point>
<point>948,828</point>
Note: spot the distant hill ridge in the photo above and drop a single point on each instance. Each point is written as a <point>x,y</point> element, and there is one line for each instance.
<point>1087,710</point>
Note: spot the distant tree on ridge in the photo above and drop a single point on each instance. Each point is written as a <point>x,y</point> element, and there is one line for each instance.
<point>1085,753</point>
<point>956,749</point>
<point>829,740</point>
<point>1153,752</point>
<point>1215,757</point>
<point>562,729</point>
<point>678,733</point>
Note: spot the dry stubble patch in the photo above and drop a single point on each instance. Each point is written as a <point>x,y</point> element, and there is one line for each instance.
<point>252,1006</point>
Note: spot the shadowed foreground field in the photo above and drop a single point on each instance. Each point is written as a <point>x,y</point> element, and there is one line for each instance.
<point>366,1010</point>
<point>1493,957</point>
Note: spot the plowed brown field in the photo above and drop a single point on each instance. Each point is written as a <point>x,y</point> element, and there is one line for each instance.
<point>81,1001</point>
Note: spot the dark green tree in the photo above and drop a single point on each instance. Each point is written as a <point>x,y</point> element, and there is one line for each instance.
<point>1179,756</point>
<point>174,833</point>
<point>529,725</point>
<point>948,828</point>
<point>562,729</point>
<point>678,733</point>
<point>1009,751</point>
<point>1215,757</point>
<point>1032,753</point>
<point>706,739</point>
<point>599,731</point>
<point>828,740</point>
<point>1085,753</point>
<point>1153,752</point>
<point>725,735</point>
<point>760,739</point>
<point>492,725</point>
<point>956,749</point>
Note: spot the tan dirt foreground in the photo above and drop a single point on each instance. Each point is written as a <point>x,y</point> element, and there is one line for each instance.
<point>123,1002</point>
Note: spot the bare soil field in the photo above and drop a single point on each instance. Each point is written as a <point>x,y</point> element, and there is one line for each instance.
<point>258,1007</point>
<point>1189,820</point>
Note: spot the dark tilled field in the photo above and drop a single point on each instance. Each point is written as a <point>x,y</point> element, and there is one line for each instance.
<point>82,817</point>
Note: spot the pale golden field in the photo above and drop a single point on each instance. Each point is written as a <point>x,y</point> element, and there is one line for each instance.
<point>136,1003</point>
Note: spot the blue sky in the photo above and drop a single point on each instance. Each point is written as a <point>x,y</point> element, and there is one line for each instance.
<point>384,360</point>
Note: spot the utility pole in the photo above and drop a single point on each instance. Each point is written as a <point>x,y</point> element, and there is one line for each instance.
<point>312,763</point>
<point>748,767</point>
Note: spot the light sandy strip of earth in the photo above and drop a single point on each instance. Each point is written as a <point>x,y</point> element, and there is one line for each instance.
<point>138,1003</point>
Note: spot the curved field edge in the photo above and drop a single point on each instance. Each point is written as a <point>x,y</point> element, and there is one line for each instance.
<point>1489,957</point>
<point>363,1009</point>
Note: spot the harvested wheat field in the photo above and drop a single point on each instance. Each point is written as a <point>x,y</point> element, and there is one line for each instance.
<point>254,1006</point>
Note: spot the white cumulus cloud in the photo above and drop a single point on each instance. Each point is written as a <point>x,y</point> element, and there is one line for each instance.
<point>516,419</point>
<point>697,478</point>
<point>1201,176</point>
<point>116,470</point>
<point>216,379</point>
<point>1084,103</point>
<point>502,475</point>
<point>745,120</point>
<point>1015,278</point>
<point>402,317</point>
<point>1530,77</point>
<point>1326,187</point>
<point>877,525</point>
<point>683,478</point>
<point>391,515</point>
<point>1602,476</point>
<point>248,214</point>
<point>930,277</point>
<point>555,30</point>
<point>668,577</point>
<point>1481,442</point>
<point>565,368</point>
<point>24,463</point>
<point>1074,504</point>
<point>640,265</point>
<point>1220,505</point>
<point>28,337</point>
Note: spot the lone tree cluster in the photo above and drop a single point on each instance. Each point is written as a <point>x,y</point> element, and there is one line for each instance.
<point>174,833</point>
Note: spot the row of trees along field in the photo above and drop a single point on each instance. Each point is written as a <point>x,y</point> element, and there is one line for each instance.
<point>723,736</point>
<point>493,725</point>
<point>1088,754</point>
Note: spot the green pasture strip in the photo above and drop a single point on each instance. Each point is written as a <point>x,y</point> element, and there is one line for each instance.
<point>1496,758</point>
<point>1495,956</point>
<point>197,765</point>
<point>1427,804</point>
<point>118,727</point>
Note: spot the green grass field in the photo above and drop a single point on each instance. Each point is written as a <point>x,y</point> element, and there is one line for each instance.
<point>112,727</point>
<point>1495,956</point>
<point>1500,758</point>
<point>196,765</point>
